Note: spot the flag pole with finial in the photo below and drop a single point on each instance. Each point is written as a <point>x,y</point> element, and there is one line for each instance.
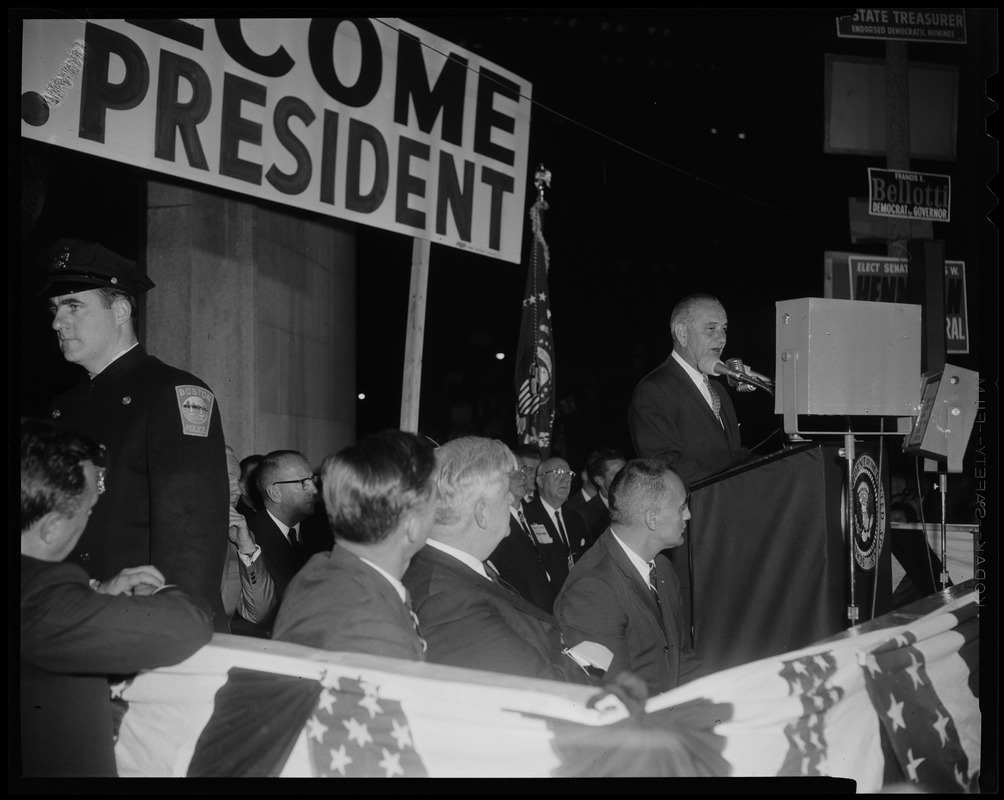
<point>535,353</point>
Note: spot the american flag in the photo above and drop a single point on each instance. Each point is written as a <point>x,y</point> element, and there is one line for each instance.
<point>913,681</point>
<point>535,381</point>
<point>896,703</point>
<point>354,733</point>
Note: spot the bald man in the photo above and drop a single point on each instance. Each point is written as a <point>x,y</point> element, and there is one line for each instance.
<point>624,595</point>
<point>562,537</point>
<point>677,412</point>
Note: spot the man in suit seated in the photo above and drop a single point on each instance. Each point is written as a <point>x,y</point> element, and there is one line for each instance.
<point>468,616</point>
<point>247,588</point>
<point>623,594</point>
<point>602,466</point>
<point>76,632</point>
<point>249,501</point>
<point>585,491</point>
<point>380,498</point>
<point>288,489</point>
<point>518,558</point>
<point>528,457</point>
<point>561,537</point>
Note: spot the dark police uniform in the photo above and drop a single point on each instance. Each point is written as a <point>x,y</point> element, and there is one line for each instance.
<point>166,488</point>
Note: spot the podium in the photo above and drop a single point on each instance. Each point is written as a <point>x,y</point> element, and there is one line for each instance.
<point>769,567</point>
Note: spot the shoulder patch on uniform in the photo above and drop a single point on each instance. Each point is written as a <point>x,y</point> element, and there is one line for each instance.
<point>195,405</point>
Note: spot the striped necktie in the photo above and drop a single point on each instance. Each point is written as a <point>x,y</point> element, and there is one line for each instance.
<point>653,585</point>
<point>716,401</point>
<point>414,621</point>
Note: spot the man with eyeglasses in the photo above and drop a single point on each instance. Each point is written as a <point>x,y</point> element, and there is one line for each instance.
<point>288,489</point>
<point>562,538</point>
<point>518,557</point>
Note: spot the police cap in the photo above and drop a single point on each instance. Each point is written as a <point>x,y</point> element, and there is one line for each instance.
<point>76,266</point>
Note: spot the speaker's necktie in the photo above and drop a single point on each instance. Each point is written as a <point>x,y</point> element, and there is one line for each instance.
<point>716,401</point>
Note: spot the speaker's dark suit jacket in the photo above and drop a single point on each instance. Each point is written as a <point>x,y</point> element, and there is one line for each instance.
<point>282,560</point>
<point>337,602</point>
<point>605,600</point>
<point>669,418</point>
<point>554,551</point>
<point>520,563</point>
<point>469,621</point>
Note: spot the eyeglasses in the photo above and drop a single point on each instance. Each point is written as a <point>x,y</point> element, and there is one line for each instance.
<point>559,472</point>
<point>305,483</point>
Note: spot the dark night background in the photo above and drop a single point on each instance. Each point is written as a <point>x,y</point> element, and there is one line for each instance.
<point>646,205</point>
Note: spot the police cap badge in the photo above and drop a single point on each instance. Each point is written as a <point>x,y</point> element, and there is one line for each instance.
<point>76,266</point>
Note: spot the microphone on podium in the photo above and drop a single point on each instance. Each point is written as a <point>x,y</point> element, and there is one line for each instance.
<point>736,364</point>
<point>736,373</point>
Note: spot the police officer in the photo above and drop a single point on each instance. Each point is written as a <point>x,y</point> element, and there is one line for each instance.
<point>165,482</point>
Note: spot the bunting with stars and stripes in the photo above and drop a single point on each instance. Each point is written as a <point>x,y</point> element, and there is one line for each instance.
<point>913,681</point>
<point>535,352</point>
<point>886,704</point>
<point>850,707</point>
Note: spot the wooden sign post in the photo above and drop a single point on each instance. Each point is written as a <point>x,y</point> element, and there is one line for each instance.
<point>411,388</point>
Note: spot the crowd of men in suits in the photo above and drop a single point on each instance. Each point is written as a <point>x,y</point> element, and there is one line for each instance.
<point>437,554</point>
<point>467,553</point>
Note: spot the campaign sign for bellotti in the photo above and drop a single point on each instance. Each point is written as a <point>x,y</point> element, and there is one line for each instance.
<point>909,195</point>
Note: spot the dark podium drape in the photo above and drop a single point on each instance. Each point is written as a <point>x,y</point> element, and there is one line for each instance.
<point>769,569</point>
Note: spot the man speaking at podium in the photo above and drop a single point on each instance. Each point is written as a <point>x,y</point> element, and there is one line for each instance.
<point>677,413</point>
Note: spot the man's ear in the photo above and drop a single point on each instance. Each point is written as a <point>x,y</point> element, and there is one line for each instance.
<point>680,333</point>
<point>651,517</point>
<point>52,529</point>
<point>412,530</point>
<point>122,309</point>
<point>481,512</point>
